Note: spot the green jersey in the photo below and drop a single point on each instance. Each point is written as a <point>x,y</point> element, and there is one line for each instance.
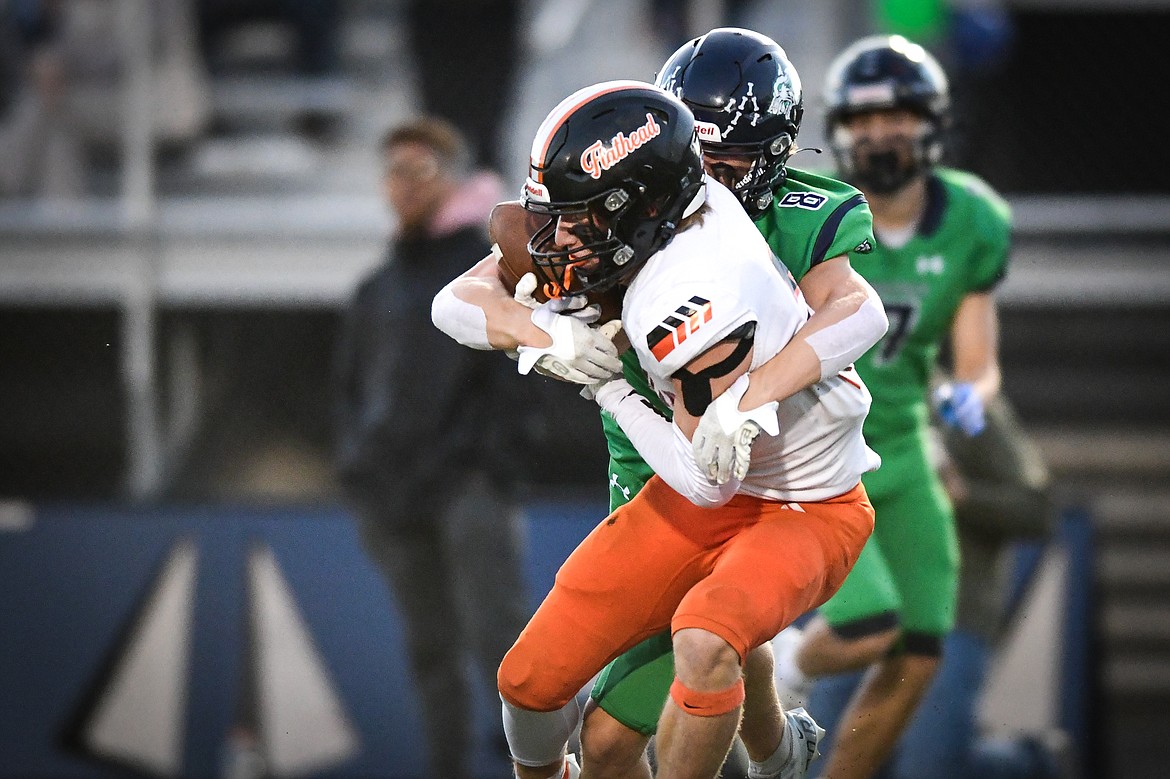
<point>961,247</point>
<point>813,218</point>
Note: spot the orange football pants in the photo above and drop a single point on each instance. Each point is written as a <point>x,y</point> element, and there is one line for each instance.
<point>743,571</point>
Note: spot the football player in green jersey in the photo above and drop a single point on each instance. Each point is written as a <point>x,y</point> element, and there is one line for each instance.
<point>942,246</point>
<point>747,101</point>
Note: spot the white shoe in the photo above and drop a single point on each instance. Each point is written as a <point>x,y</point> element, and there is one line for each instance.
<point>572,770</point>
<point>806,736</point>
<point>791,684</point>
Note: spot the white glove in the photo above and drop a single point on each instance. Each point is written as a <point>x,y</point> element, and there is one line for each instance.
<point>578,353</point>
<point>959,405</point>
<point>610,392</point>
<point>574,306</point>
<point>610,330</point>
<point>722,442</point>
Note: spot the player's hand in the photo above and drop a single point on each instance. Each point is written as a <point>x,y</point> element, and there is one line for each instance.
<point>609,393</point>
<point>578,353</point>
<point>591,391</point>
<point>959,406</point>
<point>722,442</point>
<point>575,307</point>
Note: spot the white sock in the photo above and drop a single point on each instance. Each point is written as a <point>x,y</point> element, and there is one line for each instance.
<point>788,672</point>
<point>775,762</point>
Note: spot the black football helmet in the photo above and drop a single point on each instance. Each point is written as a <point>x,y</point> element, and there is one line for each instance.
<point>880,72</point>
<point>624,153</point>
<point>747,101</point>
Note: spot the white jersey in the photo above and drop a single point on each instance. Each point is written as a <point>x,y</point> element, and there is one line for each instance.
<point>711,279</point>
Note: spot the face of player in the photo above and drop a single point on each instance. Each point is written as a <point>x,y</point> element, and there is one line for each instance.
<point>574,232</point>
<point>726,168</point>
<point>884,145</point>
<point>415,184</point>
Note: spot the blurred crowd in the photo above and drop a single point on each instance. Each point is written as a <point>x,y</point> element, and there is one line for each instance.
<point>65,66</point>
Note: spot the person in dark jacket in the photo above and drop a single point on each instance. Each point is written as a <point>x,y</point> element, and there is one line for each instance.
<point>427,447</point>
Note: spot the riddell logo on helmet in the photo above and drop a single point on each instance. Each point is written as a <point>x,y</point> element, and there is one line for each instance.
<point>535,190</point>
<point>709,132</point>
<point>598,157</point>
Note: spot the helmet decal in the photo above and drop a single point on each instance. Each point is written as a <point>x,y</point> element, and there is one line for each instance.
<point>708,131</point>
<point>557,117</point>
<point>598,157</point>
<point>784,93</point>
<point>880,94</point>
<point>535,190</point>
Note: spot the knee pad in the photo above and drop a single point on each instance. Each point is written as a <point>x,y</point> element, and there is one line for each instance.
<point>537,738</point>
<point>707,704</point>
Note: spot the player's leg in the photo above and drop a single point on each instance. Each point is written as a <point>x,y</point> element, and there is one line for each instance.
<point>763,719</point>
<point>916,534</point>
<point>940,738</point>
<point>599,606</point>
<point>877,715</point>
<point>701,717</point>
<point>769,573</point>
<point>610,749</point>
<point>770,735</point>
<point>859,624</point>
<point>623,710</point>
<point>628,698</point>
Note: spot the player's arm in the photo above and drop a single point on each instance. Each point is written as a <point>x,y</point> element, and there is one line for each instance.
<point>478,311</point>
<point>975,364</point>
<point>848,319</point>
<point>975,344</point>
<point>716,375</point>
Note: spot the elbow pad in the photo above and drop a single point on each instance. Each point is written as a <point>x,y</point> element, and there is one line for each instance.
<point>463,321</point>
<point>840,344</point>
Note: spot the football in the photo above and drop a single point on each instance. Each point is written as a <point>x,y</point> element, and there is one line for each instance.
<point>511,227</point>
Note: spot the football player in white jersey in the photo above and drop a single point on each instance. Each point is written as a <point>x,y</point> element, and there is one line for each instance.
<point>617,168</point>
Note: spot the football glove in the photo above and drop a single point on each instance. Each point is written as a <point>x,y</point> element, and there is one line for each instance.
<point>610,330</point>
<point>578,353</point>
<point>722,442</point>
<point>959,406</point>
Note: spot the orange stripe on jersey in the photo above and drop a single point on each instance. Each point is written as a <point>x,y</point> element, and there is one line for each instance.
<point>673,331</point>
<point>557,117</point>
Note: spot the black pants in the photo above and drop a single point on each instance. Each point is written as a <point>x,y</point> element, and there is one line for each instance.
<point>458,579</point>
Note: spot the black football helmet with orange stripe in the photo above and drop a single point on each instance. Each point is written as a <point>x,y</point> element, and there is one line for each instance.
<point>747,101</point>
<point>625,154</point>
